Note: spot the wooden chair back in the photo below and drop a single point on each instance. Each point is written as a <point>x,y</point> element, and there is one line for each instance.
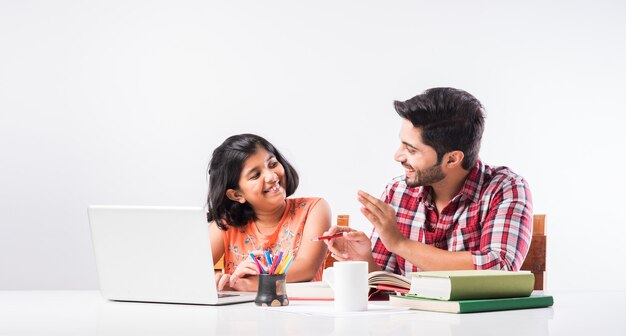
<point>219,265</point>
<point>536,258</point>
<point>342,220</point>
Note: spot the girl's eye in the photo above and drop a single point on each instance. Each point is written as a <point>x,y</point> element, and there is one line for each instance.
<point>273,164</point>
<point>255,176</point>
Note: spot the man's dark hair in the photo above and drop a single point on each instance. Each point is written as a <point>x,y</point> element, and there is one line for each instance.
<point>450,119</point>
<point>224,172</point>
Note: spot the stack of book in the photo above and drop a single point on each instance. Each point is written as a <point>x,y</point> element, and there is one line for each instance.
<point>471,291</point>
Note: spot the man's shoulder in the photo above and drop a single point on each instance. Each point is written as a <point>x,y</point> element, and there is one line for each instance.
<point>501,173</point>
<point>503,177</point>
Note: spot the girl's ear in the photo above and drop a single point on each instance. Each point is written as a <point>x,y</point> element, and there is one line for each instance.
<point>235,195</point>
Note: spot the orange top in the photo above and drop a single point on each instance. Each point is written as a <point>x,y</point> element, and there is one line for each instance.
<point>287,237</point>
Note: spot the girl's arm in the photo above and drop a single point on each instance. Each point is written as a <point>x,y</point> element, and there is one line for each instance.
<point>237,281</point>
<point>311,254</point>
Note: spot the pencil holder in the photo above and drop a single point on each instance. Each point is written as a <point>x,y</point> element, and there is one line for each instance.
<point>272,291</point>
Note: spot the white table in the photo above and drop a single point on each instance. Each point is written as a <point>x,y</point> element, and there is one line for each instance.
<point>87,313</point>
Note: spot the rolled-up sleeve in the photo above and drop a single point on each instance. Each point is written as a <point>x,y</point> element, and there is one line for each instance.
<point>507,228</point>
<point>385,259</point>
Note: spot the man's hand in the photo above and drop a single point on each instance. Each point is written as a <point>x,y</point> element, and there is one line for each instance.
<point>383,217</point>
<point>353,245</point>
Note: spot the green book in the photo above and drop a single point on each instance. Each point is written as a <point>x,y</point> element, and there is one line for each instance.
<point>471,306</point>
<point>471,284</point>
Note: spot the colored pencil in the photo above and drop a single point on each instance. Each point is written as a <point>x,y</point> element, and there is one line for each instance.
<point>283,262</point>
<point>258,265</point>
<point>268,259</point>
<point>286,267</point>
<point>276,262</point>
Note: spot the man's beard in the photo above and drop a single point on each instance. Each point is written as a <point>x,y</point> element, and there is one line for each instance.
<point>427,176</point>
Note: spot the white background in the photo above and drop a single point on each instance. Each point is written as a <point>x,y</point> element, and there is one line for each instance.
<point>122,102</point>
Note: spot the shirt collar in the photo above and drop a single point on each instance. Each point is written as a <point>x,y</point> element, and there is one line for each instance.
<point>475,178</point>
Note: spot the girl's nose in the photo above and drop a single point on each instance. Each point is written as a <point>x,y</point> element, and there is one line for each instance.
<point>271,177</point>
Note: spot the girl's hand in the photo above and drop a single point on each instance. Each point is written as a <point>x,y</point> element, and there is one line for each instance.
<point>240,279</point>
<point>222,281</point>
<point>245,269</point>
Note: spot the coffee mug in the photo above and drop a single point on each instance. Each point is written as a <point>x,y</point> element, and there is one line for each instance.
<point>348,279</point>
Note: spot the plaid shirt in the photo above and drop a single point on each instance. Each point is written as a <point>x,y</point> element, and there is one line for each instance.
<point>491,217</point>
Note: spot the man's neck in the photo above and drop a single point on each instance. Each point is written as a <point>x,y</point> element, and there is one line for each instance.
<point>445,190</point>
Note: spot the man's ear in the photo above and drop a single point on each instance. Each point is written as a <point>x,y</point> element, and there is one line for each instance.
<point>235,195</point>
<point>453,159</point>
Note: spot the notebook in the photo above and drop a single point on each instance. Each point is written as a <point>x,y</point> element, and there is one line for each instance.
<point>156,254</point>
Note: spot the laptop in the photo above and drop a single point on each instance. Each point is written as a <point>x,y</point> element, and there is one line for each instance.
<point>156,254</point>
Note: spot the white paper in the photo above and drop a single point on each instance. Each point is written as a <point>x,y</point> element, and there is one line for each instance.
<point>318,308</point>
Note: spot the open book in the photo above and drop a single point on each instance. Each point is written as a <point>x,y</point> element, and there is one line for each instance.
<point>319,290</point>
<point>383,280</point>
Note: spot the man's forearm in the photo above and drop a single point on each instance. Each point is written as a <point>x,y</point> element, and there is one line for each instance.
<point>372,266</point>
<point>430,258</point>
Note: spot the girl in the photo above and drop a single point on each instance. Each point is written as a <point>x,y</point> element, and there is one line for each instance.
<point>249,212</point>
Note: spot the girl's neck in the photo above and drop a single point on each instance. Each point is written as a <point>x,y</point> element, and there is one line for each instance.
<point>270,219</point>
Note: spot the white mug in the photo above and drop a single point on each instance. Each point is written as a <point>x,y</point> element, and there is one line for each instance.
<point>348,279</point>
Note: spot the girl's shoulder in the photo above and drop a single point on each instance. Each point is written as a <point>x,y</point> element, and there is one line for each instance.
<point>304,204</point>
<point>304,201</point>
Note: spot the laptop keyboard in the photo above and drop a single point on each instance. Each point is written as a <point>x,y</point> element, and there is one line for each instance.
<point>222,295</point>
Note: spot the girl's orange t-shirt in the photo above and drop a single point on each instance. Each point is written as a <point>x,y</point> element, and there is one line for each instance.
<point>287,237</point>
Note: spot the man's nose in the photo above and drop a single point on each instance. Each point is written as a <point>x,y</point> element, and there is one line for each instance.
<point>399,155</point>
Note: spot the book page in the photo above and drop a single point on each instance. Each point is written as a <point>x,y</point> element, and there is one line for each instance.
<point>388,278</point>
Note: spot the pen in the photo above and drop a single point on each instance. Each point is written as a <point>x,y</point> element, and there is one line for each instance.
<point>261,270</point>
<point>336,235</point>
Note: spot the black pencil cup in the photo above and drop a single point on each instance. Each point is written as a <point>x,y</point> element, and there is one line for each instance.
<point>272,291</point>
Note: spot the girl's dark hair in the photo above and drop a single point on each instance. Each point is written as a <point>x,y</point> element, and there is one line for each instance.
<point>224,172</point>
<point>450,119</point>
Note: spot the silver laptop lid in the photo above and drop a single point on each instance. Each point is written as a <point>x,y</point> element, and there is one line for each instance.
<point>154,254</point>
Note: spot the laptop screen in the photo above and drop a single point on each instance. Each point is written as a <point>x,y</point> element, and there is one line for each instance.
<point>153,254</point>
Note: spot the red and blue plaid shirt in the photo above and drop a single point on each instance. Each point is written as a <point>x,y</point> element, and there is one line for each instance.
<point>491,217</point>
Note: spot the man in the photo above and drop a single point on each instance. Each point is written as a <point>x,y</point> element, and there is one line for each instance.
<point>449,211</point>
